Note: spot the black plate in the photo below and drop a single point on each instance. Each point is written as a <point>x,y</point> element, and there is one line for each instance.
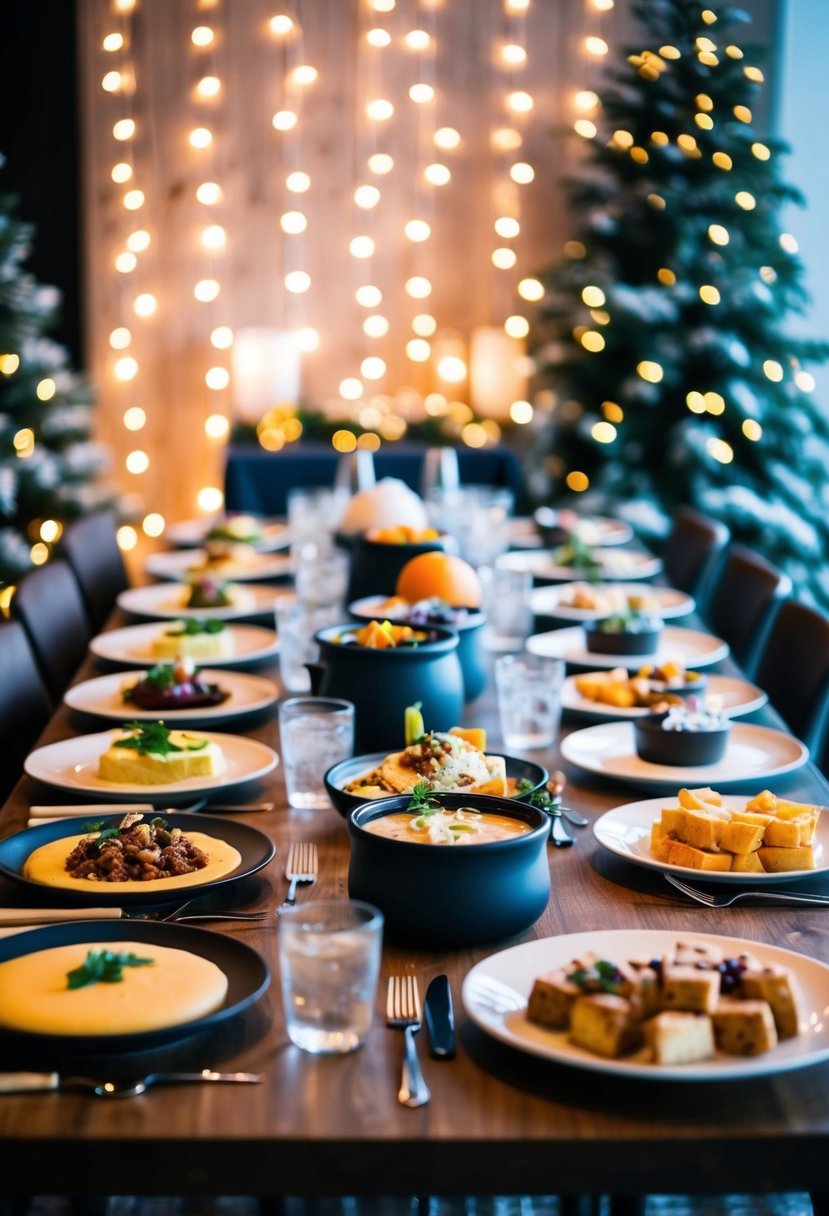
<point>344,772</point>
<point>247,974</point>
<point>255,847</point>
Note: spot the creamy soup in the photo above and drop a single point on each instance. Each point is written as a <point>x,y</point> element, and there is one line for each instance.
<point>463,826</point>
<point>48,865</point>
<point>174,987</point>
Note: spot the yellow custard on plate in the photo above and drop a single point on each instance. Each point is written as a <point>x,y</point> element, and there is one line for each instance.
<point>174,988</point>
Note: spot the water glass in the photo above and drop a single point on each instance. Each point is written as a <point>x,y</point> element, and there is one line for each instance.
<point>321,575</point>
<point>329,960</point>
<point>315,512</point>
<point>476,516</point>
<point>529,700</point>
<point>296,624</point>
<point>507,603</point>
<point>315,732</point>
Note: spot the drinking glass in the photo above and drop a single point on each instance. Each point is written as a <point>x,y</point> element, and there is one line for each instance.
<point>314,512</point>
<point>476,516</point>
<point>529,700</point>
<point>506,602</point>
<point>315,732</point>
<point>296,624</point>
<point>329,960</point>
<point>321,575</point>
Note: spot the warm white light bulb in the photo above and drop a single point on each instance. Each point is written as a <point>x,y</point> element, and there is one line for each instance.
<point>420,94</point>
<point>221,337</point>
<point>123,129</point>
<point>368,296</point>
<point>522,173</point>
<point>531,289</point>
<point>447,137</point>
<point>209,87</point>
<point>126,262</point>
<point>373,368</point>
<point>284,120</point>
<point>375,326</point>
<point>200,137</point>
<point>351,389</point>
<point>417,231</point>
<point>216,426</point>
<point>517,326</point>
<point>418,287</point>
<point>135,419</point>
<point>297,282</point>
<point>113,42</point>
<point>122,172</point>
<point>217,378</point>
<point>452,369</point>
<point>120,338</point>
<point>134,200</point>
<point>297,182</point>
<point>417,40</point>
<point>513,54</point>
<point>153,524</point>
<point>380,109</point>
<point>378,37</point>
<point>503,259</point>
<point>520,102</point>
<point>281,25</point>
<point>366,197</point>
<point>210,498</point>
<point>506,139</point>
<point>206,290</point>
<point>293,222</point>
<point>214,237</point>
<point>308,339</point>
<point>418,350</point>
<point>596,46</point>
<point>437,174</point>
<point>138,241</point>
<point>304,74</point>
<point>424,324</point>
<point>361,247</point>
<point>145,305</point>
<point>209,193</point>
<point>380,163</point>
<point>112,82</point>
<point>202,36</point>
<point>507,227</point>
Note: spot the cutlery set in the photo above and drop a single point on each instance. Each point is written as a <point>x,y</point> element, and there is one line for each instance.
<point>725,899</point>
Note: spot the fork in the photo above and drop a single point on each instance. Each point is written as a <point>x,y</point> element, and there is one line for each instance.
<point>403,1013</point>
<point>301,867</point>
<point>176,915</point>
<point>793,898</point>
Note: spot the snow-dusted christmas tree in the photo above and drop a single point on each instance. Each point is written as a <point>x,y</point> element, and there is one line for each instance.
<point>48,462</point>
<point>663,332</point>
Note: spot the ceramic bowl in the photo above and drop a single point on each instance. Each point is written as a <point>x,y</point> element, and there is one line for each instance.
<point>376,564</point>
<point>347,771</point>
<point>644,640</point>
<point>678,747</point>
<point>452,896</point>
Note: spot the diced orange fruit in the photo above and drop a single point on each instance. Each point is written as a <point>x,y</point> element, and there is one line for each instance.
<point>476,735</point>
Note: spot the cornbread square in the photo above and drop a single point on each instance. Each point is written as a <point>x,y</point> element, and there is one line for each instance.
<point>752,817</point>
<point>670,817</point>
<point>774,985</point>
<point>645,994</point>
<point>792,810</point>
<point>551,1000</point>
<point>696,954</point>
<point>688,989</point>
<point>604,1024</point>
<point>680,1038</point>
<point>700,829</point>
<point>741,837</point>
<point>696,800</point>
<point>199,646</point>
<point>747,863</point>
<point>785,833</point>
<point>681,854</point>
<point>776,861</point>
<point>660,841</point>
<point>128,767</point>
<point>765,802</point>
<point>744,1028</point>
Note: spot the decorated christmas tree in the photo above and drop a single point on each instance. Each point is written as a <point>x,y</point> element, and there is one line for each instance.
<point>47,460</point>
<point>662,338</point>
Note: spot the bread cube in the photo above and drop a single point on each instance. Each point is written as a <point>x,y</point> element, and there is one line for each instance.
<point>700,829</point>
<point>680,1038</point>
<point>741,837</point>
<point>660,841</point>
<point>776,861</point>
<point>744,1028</point>
<point>747,863</point>
<point>697,954</point>
<point>695,800</point>
<point>643,991</point>
<point>688,989</point>
<point>774,986</point>
<point>681,854</point>
<point>793,810</point>
<point>670,818</point>
<point>605,1025</point>
<point>785,833</point>
<point>753,817</point>
<point>551,999</point>
<point>765,802</point>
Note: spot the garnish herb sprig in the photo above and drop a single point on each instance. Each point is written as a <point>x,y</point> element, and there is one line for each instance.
<point>104,967</point>
<point>154,737</point>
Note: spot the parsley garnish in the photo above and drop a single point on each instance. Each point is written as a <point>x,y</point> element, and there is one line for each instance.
<point>104,967</point>
<point>161,676</point>
<point>191,626</point>
<point>423,802</point>
<point>154,737</point>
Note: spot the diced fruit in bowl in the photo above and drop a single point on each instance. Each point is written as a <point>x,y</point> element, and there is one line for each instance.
<point>402,534</point>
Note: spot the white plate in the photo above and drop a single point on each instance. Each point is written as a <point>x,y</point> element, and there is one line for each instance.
<point>511,973</point>
<point>552,601</point>
<point>593,529</point>
<point>735,697</point>
<point>177,566</point>
<point>72,765</point>
<point>102,697</point>
<point>690,647</point>
<point>166,601</point>
<point>615,564</point>
<point>626,832</point>
<point>132,644</point>
<point>190,533</point>
<point>754,753</point>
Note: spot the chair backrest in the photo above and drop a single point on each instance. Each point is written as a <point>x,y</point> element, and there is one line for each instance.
<point>794,671</point>
<point>744,601</point>
<point>24,705</point>
<point>693,551</point>
<point>48,604</point>
<point>91,548</point>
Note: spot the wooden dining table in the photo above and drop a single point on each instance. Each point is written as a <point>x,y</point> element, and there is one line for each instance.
<point>500,1121</point>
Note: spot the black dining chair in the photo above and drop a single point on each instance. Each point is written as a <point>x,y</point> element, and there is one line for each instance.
<point>794,671</point>
<point>744,600</point>
<point>692,552</point>
<point>90,546</point>
<point>24,705</point>
<point>49,606</point>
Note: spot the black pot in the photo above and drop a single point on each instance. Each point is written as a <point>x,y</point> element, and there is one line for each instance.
<point>451,896</point>
<point>678,747</point>
<point>470,641</point>
<point>689,689</point>
<point>376,564</point>
<point>382,683</point>
<point>625,641</point>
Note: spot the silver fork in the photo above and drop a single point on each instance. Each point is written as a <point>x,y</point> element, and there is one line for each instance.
<point>177,915</point>
<point>793,898</point>
<point>403,1013</point>
<point>301,867</point>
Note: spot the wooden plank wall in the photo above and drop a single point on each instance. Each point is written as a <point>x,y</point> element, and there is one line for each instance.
<point>250,159</point>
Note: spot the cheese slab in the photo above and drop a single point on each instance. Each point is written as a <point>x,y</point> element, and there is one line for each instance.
<point>175,988</point>
<point>47,865</point>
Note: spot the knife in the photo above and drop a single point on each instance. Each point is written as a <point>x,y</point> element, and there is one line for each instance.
<point>440,1019</point>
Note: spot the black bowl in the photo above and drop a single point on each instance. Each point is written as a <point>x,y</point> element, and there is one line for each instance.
<point>624,641</point>
<point>678,747</point>
<point>451,896</point>
<point>347,770</point>
<point>376,564</point>
<point>689,689</point>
